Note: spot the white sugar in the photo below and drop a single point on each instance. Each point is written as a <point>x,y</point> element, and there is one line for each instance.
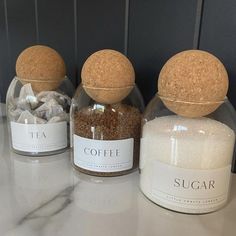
<point>200,143</point>
<point>185,163</point>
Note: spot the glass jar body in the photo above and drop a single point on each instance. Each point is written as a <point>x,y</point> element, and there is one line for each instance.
<point>185,163</point>
<point>106,137</point>
<point>38,122</point>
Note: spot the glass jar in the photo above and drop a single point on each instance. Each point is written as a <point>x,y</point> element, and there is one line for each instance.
<point>106,136</point>
<point>185,163</point>
<point>38,123</point>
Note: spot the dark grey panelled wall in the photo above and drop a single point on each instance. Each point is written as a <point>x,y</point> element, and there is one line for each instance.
<point>148,32</point>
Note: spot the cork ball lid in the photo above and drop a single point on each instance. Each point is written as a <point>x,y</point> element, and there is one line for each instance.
<point>108,76</point>
<point>41,66</point>
<point>193,83</point>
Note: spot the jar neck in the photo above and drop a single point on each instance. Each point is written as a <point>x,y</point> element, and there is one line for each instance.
<point>175,100</point>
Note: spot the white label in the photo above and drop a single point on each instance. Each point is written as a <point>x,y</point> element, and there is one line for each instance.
<point>39,137</point>
<point>103,155</point>
<point>190,188</point>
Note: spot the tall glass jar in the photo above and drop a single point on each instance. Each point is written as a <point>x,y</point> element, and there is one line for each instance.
<point>185,163</point>
<point>38,122</point>
<point>106,136</point>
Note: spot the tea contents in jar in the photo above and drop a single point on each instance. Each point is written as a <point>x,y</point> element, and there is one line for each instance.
<point>44,107</point>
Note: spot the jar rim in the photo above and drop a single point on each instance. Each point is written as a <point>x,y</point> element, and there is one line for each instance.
<point>108,88</point>
<point>168,99</point>
<point>41,81</point>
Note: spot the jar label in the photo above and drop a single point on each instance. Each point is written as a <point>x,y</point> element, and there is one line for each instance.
<point>179,188</point>
<point>103,155</point>
<point>39,137</point>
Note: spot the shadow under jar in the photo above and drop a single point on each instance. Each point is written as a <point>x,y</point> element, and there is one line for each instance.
<point>106,137</point>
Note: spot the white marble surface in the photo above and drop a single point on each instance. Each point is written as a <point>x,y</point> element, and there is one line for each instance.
<point>46,197</point>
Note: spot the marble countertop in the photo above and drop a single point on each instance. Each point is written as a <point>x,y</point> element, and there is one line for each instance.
<point>46,197</point>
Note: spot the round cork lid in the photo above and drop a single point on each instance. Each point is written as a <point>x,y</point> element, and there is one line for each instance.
<point>193,76</point>
<point>40,64</point>
<point>108,76</point>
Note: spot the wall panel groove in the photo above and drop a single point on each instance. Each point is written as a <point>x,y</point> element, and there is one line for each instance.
<point>126,26</point>
<point>198,22</point>
<point>75,42</point>
<point>6,30</point>
<point>4,51</point>
<point>36,20</point>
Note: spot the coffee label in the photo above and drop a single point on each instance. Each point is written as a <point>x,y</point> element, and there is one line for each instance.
<point>39,137</point>
<point>103,155</point>
<point>190,188</point>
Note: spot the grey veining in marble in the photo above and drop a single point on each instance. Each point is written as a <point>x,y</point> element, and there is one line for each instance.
<point>46,197</point>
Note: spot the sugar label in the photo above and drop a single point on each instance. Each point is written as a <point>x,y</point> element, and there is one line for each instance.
<point>190,188</point>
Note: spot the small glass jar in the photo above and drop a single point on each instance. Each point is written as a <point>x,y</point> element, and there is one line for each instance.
<point>106,136</point>
<point>38,123</point>
<point>185,163</point>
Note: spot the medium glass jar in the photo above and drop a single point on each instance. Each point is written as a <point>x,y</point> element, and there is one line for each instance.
<point>106,136</point>
<point>185,163</point>
<point>38,123</point>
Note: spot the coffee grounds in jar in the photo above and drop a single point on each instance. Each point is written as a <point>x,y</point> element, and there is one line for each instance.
<point>109,122</point>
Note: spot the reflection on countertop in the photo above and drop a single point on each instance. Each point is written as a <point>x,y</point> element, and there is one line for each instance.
<point>46,196</point>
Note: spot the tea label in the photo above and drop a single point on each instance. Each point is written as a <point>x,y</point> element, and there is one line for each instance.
<point>190,188</point>
<point>103,155</point>
<point>39,137</point>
